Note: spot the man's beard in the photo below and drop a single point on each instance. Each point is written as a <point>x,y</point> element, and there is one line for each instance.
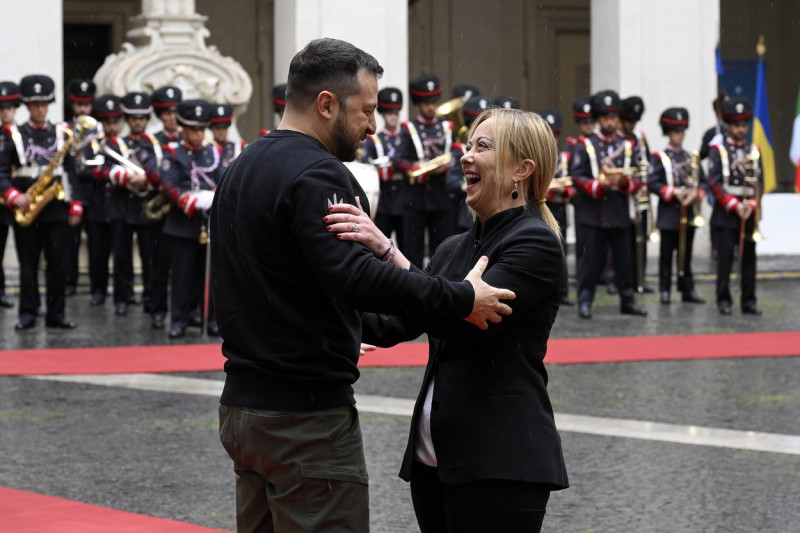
<point>343,146</point>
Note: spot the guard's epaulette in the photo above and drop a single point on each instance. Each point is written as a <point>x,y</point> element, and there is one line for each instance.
<point>170,149</point>
<point>150,138</point>
<point>459,146</point>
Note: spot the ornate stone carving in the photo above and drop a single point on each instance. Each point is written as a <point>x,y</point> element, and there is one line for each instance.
<point>168,47</point>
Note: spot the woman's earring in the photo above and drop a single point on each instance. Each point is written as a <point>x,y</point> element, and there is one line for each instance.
<point>515,193</point>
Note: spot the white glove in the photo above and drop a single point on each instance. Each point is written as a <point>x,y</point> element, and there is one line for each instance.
<point>204,200</point>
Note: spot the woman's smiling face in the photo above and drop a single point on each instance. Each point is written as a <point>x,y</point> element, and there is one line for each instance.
<point>480,166</point>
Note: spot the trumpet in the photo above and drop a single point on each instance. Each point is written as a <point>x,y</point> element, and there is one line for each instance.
<point>605,173</point>
<point>129,165</point>
<point>431,165</point>
<point>156,208</point>
<point>561,181</point>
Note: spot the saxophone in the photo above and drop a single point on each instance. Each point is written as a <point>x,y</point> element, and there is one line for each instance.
<point>45,188</point>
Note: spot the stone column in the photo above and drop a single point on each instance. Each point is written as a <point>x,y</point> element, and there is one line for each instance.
<point>379,28</point>
<point>661,51</point>
<point>168,47</point>
<point>37,52</point>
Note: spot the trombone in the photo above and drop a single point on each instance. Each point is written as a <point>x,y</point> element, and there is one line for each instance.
<point>129,165</point>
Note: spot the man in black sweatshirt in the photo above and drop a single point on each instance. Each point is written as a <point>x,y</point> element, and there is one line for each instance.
<point>288,295</point>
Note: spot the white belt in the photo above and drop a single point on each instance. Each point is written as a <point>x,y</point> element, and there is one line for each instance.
<point>34,171</point>
<point>740,190</point>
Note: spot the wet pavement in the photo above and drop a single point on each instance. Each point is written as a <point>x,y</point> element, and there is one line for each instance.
<point>158,453</point>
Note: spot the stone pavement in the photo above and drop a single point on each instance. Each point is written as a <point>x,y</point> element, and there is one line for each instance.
<point>157,453</point>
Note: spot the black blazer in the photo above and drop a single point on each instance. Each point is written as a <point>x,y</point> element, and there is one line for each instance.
<point>491,416</point>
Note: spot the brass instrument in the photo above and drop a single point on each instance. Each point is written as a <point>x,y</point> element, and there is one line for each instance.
<point>45,188</point>
<point>643,202</point>
<point>561,181</point>
<point>604,173</point>
<point>156,208</point>
<point>129,165</point>
<point>431,165</point>
<point>452,111</point>
<point>751,167</point>
<point>693,181</point>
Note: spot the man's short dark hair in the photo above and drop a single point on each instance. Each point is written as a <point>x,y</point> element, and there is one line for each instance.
<point>327,65</point>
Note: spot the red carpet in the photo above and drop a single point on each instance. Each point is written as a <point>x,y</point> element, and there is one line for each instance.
<point>207,357</point>
<point>33,513</point>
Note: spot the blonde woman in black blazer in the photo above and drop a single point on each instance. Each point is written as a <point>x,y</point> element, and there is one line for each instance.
<point>483,451</point>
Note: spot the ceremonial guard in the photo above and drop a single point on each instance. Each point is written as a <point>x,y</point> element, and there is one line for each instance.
<point>631,111</point>
<point>582,114</point>
<point>221,118</point>
<point>379,150</point>
<point>102,173</point>
<point>9,102</point>
<point>424,154</point>
<point>34,186</point>
<point>462,219</point>
<point>165,104</point>
<point>129,199</point>
<point>465,91</point>
<point>278,104</point>
<point>604,177</point>
<point>676,178</point>
<point>190,174</point>
<point>561,189</point>
<point>81,93</point>
<point>736,181</point>
<point>507,102</point>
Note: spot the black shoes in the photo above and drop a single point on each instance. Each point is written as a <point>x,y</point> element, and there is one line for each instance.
<point>158,320</point>
<point>750,309</point>
<point>724,308</point>
<point>212,329</point>
<point>5,302</point>
<point>692,298</point>
<point>566,301</point>
<point>178,331</point>
<point>611,288</point>
<point>645,290</point>
<point>632,309</point>
<point>121,309</point>
<point>585,310</point>
<point>196,321</point>
<point>25,323</point>
<point>60,323</point>
<point>98,299</point>
<point>665,297</point>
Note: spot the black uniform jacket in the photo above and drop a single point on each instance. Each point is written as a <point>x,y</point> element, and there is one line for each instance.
<point>669,206</point>
<point>729,195</point>
<point>595,206</point>
<point>40,146</point>
<point>184,170</point>
<point>491,415</point>
<point>287,291</point>
<point>432,194</point>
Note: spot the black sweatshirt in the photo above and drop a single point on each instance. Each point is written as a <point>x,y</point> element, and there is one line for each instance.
<point>287,292</point>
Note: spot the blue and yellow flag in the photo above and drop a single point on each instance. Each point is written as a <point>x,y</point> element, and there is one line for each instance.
<point>762,132</point>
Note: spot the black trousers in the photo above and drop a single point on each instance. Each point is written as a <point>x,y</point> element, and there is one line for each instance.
<point>480,506</point>
<point>159,267</point>
<point>597,243</point>
<point>123,258</point>
<point>99,253</point>
<point>644,223</point>
<point>439,225</point>
<point>669,249</point>
<point>391,223</point>
<point>53,239</point>
<point>73,250</point>
<point>3,240</point>
<point>188,280</point>
<point>727,239</point>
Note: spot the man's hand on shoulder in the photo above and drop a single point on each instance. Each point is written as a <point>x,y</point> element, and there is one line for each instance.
<point>488,306</point>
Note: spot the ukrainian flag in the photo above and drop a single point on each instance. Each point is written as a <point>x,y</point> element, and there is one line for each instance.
<point>762,133</point>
